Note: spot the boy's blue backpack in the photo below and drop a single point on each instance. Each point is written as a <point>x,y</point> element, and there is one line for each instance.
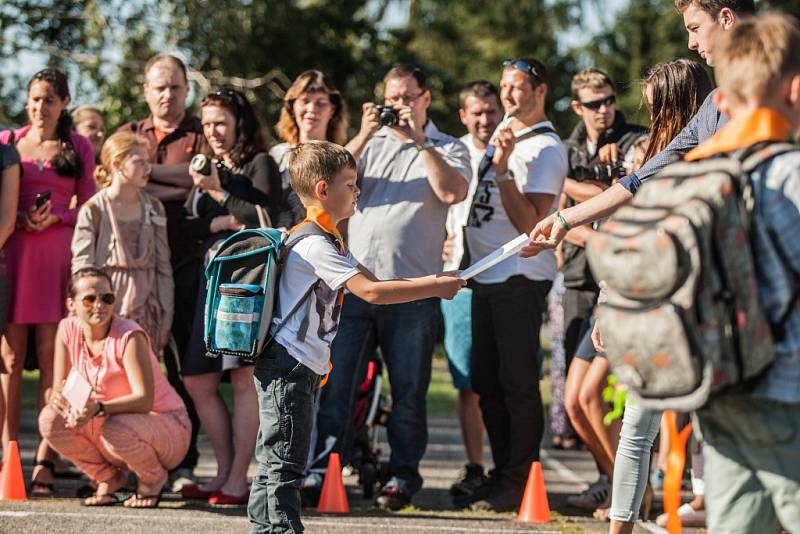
<point>242,285</point>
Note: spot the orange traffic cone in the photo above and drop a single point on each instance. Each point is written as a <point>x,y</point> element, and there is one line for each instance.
<point>534,507</point>
<point>333,498</point>
<point>12,483</point>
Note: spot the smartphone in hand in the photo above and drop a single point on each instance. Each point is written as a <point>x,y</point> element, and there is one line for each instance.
<point>41,198</point>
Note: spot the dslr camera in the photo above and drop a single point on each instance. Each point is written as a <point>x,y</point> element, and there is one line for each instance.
<point>202,164</point>
<point>599,172</point>
<point>388,116</point>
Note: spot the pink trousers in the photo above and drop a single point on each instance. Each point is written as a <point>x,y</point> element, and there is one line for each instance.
<point>147,444</point>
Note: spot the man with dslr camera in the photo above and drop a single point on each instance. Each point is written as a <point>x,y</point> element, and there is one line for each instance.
<point>409,174</point>
<point>595,148</point>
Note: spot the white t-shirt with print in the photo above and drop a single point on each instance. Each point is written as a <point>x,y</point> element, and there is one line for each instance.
<point>458,213</point>
<point>313,258</point>
<point>539,165</point>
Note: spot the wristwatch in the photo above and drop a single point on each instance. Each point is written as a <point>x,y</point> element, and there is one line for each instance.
<point>101,410</point>
<point>504,176</point>
<point>428,143</point>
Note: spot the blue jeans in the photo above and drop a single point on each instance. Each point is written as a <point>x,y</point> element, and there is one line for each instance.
<point>286,391</point>
<point>406,334</point>
<point>632,462</point>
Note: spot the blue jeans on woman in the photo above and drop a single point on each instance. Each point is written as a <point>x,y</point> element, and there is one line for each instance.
<point>406,334</point>
<point>632,463</point>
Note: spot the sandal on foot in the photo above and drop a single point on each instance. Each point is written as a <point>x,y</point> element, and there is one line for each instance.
<point>136,496</point>
<point>43,489</point>
<point>112,500</point>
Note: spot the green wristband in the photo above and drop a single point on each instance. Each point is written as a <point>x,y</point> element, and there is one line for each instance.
<point>562,220</point>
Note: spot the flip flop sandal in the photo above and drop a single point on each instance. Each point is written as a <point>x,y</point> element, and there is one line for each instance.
<point>43,489</point>
<point>85,491</point>
<point>112,500</point>
<point>138,496</point>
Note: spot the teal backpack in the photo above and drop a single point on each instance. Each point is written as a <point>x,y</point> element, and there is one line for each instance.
<point>242,285</point>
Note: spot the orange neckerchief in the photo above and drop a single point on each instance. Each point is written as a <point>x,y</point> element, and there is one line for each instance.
<point>759,125</point>
<point>324,220</point>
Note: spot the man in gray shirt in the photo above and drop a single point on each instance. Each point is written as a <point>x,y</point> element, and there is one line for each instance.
<point>409,174</point>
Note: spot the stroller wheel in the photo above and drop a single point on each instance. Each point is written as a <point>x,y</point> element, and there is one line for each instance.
<point>368,477</point>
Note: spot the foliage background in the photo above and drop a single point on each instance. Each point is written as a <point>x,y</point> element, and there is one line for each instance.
<point>261,45</point>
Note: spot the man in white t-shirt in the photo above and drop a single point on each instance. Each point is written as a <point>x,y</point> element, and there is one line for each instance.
<point>480,112</point>
<point>529,164</point>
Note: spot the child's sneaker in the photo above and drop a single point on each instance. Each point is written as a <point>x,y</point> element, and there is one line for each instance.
<point>471,479</point>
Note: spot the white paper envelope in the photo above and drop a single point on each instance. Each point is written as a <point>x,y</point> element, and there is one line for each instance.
<point>76,390</point>
<point>502,253</point>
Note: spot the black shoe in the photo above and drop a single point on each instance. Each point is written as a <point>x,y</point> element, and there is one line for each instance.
<point>471,479</point>
<point>310,490</point>
<point>393,498</point>
<point>504,500</point>
<point>480,492</point>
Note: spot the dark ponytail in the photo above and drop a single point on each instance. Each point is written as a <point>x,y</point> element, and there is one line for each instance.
<point>66,162</point>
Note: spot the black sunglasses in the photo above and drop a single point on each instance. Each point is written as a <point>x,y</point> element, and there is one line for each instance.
<point>233,96</point>
<point>524,66</point>
<point>106,298</point>
<point>597,104</point>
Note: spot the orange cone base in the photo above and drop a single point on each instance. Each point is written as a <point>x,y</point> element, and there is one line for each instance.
<point>534,507</point>
<point>333,498</point>
<point>12,483</point>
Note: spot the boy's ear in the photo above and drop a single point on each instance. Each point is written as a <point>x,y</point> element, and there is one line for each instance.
<point>793,98</point>
<point>726,18</point>
<point>321,190</point>
<point>722,102</point>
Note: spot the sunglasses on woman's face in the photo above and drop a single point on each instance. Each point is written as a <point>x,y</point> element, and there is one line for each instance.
<point>106,298</point>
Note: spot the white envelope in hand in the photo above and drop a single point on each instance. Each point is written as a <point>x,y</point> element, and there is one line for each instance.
<point>76,390</point>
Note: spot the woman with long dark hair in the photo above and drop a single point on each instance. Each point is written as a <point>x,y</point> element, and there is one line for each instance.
<point>674,92</point>
<point>243,189</point>
<point>57,164</point>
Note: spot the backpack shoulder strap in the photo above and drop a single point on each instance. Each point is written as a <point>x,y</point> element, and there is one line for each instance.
<point>761,153</point>
<point>300,232</point>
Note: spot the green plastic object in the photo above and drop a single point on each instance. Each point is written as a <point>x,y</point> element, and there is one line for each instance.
<point>614,393</point>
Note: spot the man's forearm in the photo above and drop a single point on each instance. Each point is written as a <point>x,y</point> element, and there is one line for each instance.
<point>598,207</point>
<point>172,175</point>
<point>581,191</point>
<point>448,184</point>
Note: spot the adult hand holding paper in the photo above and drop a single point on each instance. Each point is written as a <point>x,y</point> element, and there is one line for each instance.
<point>502,253</point>
<point>77,391</point>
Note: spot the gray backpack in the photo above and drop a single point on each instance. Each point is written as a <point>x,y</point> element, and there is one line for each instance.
<point>682,321</point>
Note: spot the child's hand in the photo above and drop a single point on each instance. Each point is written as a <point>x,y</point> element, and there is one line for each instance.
<point>448,284</point>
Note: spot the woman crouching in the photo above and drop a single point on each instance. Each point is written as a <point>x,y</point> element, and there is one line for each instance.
<point>133,419</point>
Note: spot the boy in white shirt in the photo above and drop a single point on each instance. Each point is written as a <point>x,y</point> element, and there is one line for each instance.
<point>288,373</point>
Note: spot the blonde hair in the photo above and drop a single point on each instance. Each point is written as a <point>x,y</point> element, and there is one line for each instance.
<point>757,55</point>
<point>116,148</point>
<point>313,81</point>
<point>316,161</point>
<point>591,79</point>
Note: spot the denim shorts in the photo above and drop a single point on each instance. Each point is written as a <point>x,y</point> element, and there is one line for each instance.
<point>457,315</point>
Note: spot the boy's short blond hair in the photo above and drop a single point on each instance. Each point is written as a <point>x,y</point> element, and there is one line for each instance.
<point>316,161</point>
<point>591,79</point>
<point>757,55</point>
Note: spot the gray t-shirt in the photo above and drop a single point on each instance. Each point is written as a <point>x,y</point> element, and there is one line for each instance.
<point>398,228</point>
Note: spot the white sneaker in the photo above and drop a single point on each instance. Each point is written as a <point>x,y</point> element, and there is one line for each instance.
<point>592,497</point>
<point>689,517</point>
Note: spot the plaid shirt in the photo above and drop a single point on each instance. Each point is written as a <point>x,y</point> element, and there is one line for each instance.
<point>777,211</point>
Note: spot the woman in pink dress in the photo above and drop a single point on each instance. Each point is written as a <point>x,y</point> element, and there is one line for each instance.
<point>57,164</point>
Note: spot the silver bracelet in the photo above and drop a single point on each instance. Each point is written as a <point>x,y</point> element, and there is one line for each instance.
<point>504,176</point>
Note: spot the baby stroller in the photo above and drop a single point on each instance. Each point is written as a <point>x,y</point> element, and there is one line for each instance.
<point>372,408</point>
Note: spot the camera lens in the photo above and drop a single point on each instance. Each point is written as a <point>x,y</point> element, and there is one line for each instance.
<point>388,116</point>
<point>200,163</point>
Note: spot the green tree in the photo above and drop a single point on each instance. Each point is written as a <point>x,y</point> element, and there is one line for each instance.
<point>456,42</point>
